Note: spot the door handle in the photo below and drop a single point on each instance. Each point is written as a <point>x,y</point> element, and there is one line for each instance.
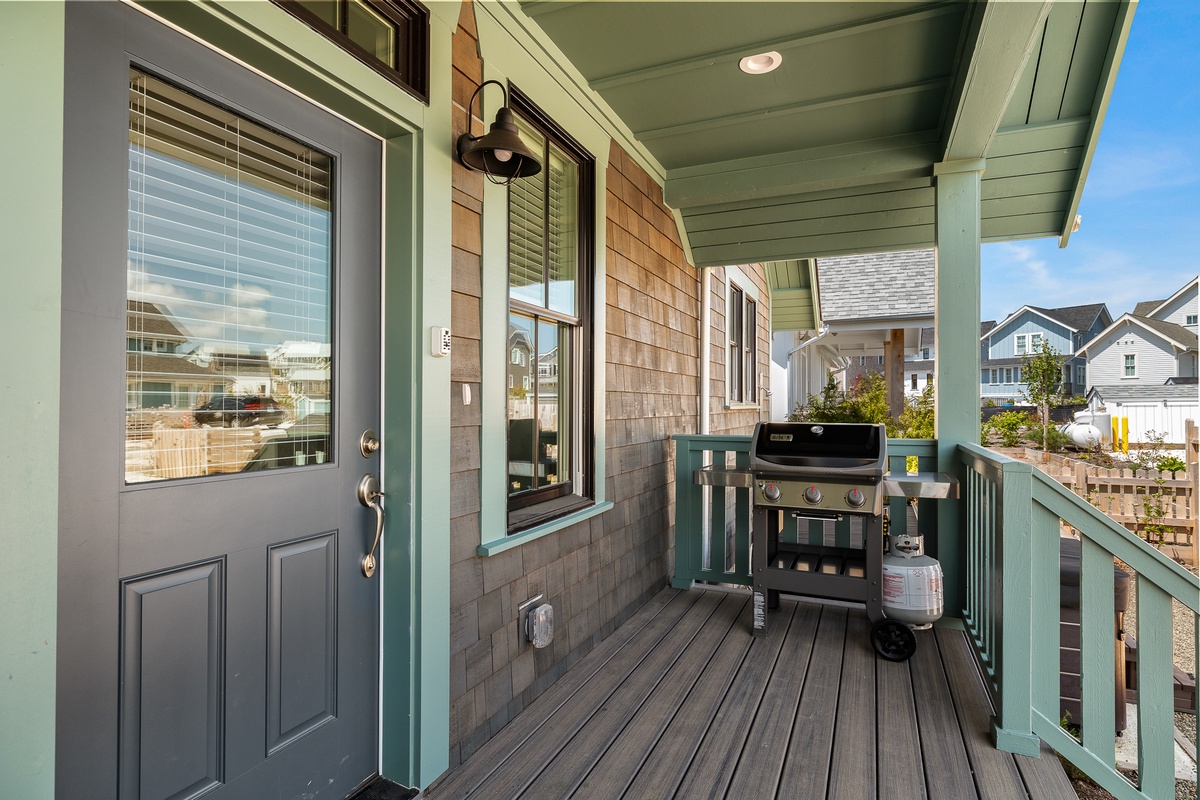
<point>370,495</point>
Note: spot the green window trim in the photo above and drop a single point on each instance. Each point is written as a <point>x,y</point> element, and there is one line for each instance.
<point>509,541</point>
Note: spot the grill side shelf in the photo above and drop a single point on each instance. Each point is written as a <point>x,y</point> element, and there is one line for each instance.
<point>723,476</point>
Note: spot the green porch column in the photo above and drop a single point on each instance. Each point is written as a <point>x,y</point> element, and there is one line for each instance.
<point>31,129</point>
<point>956,342</point>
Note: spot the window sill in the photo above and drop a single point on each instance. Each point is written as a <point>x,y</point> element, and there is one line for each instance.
<point>742,406</point>
<point>538,531</point>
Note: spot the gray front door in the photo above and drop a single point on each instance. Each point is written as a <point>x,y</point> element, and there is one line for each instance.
<point>220,352</point>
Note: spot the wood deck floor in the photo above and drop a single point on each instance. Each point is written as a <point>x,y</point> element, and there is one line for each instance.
<point>681,701</point>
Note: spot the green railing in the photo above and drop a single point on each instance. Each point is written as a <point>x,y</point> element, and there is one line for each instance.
<point>712,523</point>
<point>1014,514</point>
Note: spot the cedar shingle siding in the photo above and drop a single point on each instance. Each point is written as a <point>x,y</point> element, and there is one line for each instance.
<point>597,573</point>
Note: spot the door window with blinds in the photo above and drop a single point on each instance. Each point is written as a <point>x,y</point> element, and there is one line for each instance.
<point>230,276</point>
<point>548,324</point>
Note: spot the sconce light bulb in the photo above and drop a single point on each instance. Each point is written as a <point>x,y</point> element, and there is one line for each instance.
<point>502,155</point>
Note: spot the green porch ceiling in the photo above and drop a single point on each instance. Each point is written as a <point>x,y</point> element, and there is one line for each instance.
<point>833,152</point>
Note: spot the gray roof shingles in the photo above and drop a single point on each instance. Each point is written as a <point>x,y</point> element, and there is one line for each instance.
<point>1133,391</point>
<point>1177,332</point>
<point>1078,317</point>
<point>877,285</point>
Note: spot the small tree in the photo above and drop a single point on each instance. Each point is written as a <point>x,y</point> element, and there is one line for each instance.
<point>1041,371</point>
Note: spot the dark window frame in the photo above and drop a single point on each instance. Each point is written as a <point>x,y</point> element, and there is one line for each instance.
<point>742,353</point>
<point>412,51</point>
<point>582,373</point>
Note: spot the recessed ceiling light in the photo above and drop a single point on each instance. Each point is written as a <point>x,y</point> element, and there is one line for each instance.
<point>761,63</point>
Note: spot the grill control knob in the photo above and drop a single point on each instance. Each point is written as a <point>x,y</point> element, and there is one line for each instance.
<point>812,495</point>
<point>771,492</point>
<point>855,498</point>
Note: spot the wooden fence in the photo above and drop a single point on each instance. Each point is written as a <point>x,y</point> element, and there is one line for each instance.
<point>1161,508</point>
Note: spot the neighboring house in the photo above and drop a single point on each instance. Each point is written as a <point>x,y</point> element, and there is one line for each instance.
<point>868,302</point>
<point>919,367</point>
<point>288,172</point>
<point>160,375</point>
<point>1004,347</point>
<point>1148,346</point>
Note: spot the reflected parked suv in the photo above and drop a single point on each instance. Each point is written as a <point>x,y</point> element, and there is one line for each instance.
<point>237,412</point>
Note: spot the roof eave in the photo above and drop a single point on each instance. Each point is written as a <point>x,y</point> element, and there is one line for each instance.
<point>1111,64</point>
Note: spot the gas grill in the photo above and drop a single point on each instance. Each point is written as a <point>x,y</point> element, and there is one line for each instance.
<point>824,472</point>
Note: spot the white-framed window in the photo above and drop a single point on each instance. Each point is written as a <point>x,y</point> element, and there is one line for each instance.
<point>1131,365</point>
<point>914,381</point>
<point>1028,343</point>
<point>924,353</point>
<point>1008,375</point>
<point>1081,374</point>
<point>995,376</point>
<point>741,320</point>
<point>549,321</point>
<point>1190,319</point>
<point>928,379</point>
<point>862,361</point>
<point>880,360</point>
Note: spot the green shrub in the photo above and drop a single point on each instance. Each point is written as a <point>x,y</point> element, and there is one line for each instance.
<point>1171,464</point>
<point>1056,440</point>
<point>1008,426</point>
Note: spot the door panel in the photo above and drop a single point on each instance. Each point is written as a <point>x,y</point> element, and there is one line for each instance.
<point>220,357</point>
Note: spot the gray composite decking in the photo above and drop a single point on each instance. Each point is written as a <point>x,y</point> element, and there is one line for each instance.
<point>681,701</point>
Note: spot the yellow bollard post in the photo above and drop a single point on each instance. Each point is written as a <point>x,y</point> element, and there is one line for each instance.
<point>1125,435</point>
<point>1116,433</point>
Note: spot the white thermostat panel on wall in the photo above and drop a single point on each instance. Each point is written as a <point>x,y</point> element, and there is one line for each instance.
<point>440,342</point>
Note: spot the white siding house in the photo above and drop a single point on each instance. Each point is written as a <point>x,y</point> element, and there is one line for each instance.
<point>1155,342</point>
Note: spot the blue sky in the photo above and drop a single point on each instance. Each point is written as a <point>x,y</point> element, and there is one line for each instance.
<point>1140,238</point>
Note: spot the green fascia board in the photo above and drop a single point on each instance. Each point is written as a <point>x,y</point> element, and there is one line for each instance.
<point>32,53</point>
<point>1116,50</point>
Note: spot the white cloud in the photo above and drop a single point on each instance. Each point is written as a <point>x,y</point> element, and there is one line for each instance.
<point>1139,165</point>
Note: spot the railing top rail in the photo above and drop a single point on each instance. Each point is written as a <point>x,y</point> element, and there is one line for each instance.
<point>712,441</point>
<point>1147,561</point>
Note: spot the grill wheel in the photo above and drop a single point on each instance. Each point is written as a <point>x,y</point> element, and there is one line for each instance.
<point>893,640</point>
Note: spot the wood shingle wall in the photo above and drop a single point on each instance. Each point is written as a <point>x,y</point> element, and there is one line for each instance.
<point>597,573</point>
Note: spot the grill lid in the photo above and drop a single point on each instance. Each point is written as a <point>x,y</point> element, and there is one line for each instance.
<point>849,450</point>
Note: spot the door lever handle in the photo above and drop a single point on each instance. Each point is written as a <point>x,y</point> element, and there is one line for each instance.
<point>370,495</point>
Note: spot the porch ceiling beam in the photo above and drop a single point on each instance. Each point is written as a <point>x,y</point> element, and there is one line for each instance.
<point>775,112</point>
<point>734,54</point>
<point>1005,34</point>
<point>801,171</point>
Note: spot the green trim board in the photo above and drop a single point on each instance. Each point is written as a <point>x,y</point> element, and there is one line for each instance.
<point>528,535</point>
<point>32,53</point>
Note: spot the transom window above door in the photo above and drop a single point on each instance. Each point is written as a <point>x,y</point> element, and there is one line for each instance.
<point>229,345</point>
<point>390,36</point>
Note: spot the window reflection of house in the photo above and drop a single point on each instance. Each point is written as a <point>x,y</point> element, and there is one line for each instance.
<point>158,374</point>
<point>520,373</point>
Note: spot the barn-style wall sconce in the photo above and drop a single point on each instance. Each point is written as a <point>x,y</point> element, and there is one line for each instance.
<point>500,154</point>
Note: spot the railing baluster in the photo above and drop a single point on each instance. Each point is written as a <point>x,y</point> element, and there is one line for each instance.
<point>716,514</point>
<point>741,560</point>
<point>1096,649</point>
<point>1156,746</point>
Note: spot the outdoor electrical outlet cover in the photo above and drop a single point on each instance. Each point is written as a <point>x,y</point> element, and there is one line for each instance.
<point>539,625</point>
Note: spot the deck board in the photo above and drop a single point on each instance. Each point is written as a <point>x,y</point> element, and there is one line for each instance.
<point>581,750</point>
<point>943,751</point>
<point>712,767</point>
<point>765,749</point>
<point>852,770</point>
<point>610,775</point>
<point>667,762</point>
<point>807,778</point>
<point>996,773</point>
<point>898,740</point>
<point>681,701</point>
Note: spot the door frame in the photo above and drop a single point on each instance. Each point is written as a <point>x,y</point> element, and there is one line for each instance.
<point>414,692</point>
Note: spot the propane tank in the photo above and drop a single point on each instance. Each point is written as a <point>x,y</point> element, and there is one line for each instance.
<point>912,582</point>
